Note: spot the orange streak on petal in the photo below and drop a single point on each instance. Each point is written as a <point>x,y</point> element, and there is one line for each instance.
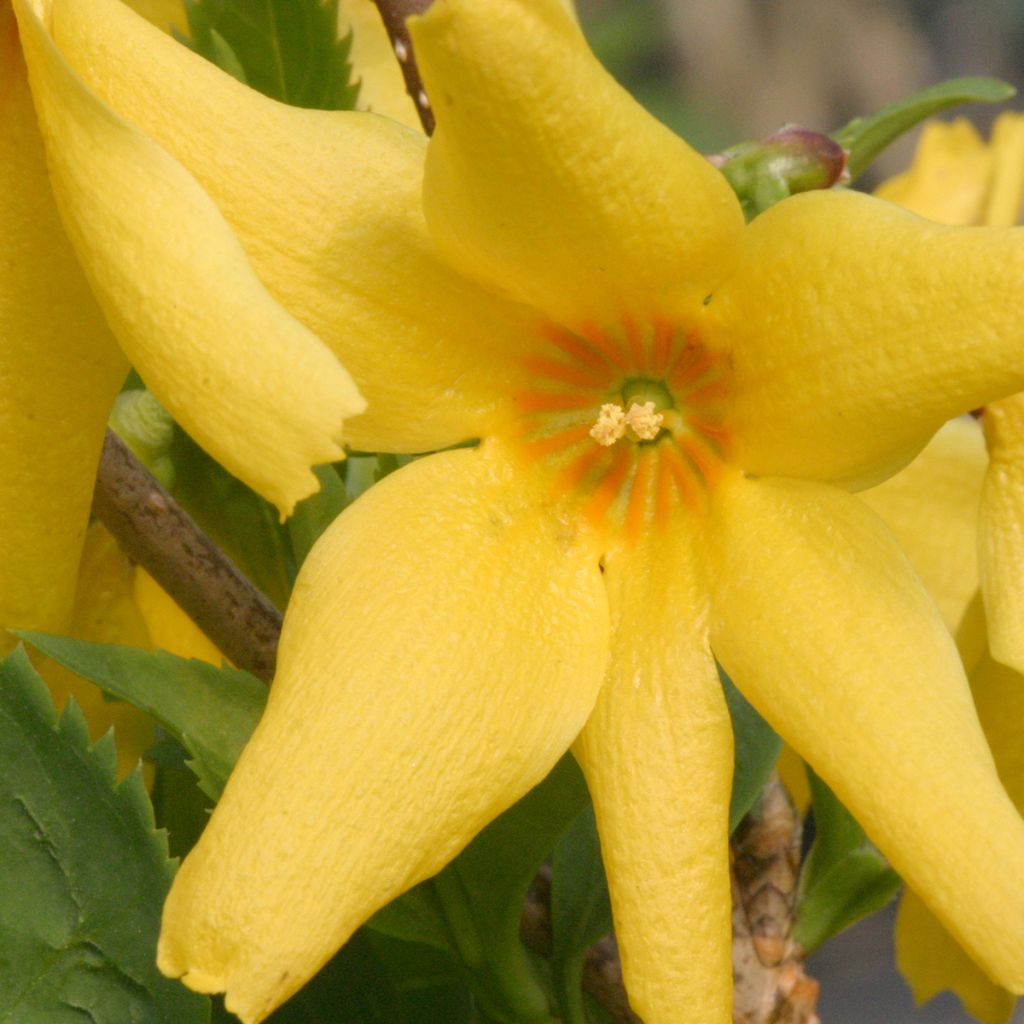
<point>688,366</point>
<point>635,342</point>
<point>556,442</point>
<point>574,475</point>
<point>578,375</point>
<point>662,348</point>
<point>605,345</point>
<point>577,348</point>
<point>701,456</point>
<point>604,493</point>
<point>543,401</point>
<point>713,389</point>
<point>637,507</point>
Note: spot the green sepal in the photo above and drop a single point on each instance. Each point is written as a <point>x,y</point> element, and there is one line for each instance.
<point>865,137</point>
<point>757,750</point>
<point>83,873</point>
<point>581,912</point>
<point>210,711</point>
<point>287,49</point>
<point>844,877</point>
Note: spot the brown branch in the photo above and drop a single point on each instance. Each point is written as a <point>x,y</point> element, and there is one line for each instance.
<point>393,13</point>
<point>770,986</point>
<point>154,531</point>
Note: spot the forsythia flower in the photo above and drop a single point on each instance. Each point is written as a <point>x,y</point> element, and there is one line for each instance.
<point>251,383</point>
<point>551,251</point>
<point>957,179</point>
<point>934,506</point>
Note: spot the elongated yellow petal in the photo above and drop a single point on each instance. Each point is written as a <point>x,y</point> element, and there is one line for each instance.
<point>1001,531</point>
<point>59,371</point>
<point>819,619</point>
<point>949,178</point>
<point>856,329</point>
<point>657,753</point>
<point>932,508</point>
<point>931,961</point>
<point>444,645</point>
<point>381,85</point>
<point>169,628</point>
<point>546,179</point>
<point>248,381</point>
<point>926,953</point>
<point>328,208</point>
<point>1003,205</point>
<point>168,15</point>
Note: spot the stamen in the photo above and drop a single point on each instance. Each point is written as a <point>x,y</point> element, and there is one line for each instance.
<point>644,421</point>
<point>610,425</point>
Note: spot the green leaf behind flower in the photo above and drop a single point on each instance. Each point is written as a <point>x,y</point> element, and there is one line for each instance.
<point>83,873</point>
<point>210,711</point>
<point>866,137</point>
<point>844,877</point>
<point>287,49</point>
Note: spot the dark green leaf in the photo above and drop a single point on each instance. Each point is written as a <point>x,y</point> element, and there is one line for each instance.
<point>757,750</point>
<point>844,877</point>
<point>581,912</point>
<point>866,137</point>
<point>210,711</point>
<point>287,49</point>
<point>83,874</point>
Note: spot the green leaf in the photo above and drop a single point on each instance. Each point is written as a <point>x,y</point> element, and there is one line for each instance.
<point>210,711</point>
<point>866,137</point>
<point>83,874</point>
<point>287,49</point>
<point>844,877</point>
<point>581,912</point>
<point>757,750</point>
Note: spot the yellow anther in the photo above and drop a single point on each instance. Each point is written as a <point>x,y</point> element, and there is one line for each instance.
<point>644,421</point>
<point>610,425</point>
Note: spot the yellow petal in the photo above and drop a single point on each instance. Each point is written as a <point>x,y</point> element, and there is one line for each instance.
<point>250,383</point>
<point>444,645</point>
<point>546,179</point>
<point>819,619</point>
<point>168,15</point>
<point>932,508</point>
<point>926,953</point>
<point>381,85</point>
<point>856,329</point>
<point>59,372</point>
<point>931,961</point>
<point>657,753</point>
<point>949,178</point>
<point>793,773</point>
<point>1003,206</point>
<point>328,208</point>
<point>104,612</point>
<point>1001,530</point>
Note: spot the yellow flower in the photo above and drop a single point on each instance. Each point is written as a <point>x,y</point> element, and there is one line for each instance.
<point>957,178</point>
<point>934,507</point>
<point>251,383</point>
<point>551,251</point>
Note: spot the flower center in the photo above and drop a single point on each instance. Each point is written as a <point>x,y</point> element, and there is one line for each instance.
<point>628,418</point>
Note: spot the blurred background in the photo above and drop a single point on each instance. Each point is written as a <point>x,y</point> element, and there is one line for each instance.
<point>721,71</point>
<point>718,71</point>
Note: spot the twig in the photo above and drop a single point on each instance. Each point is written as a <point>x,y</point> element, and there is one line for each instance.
<point>154,531</point>
<point>770,986</point>
<point>393,13</point>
